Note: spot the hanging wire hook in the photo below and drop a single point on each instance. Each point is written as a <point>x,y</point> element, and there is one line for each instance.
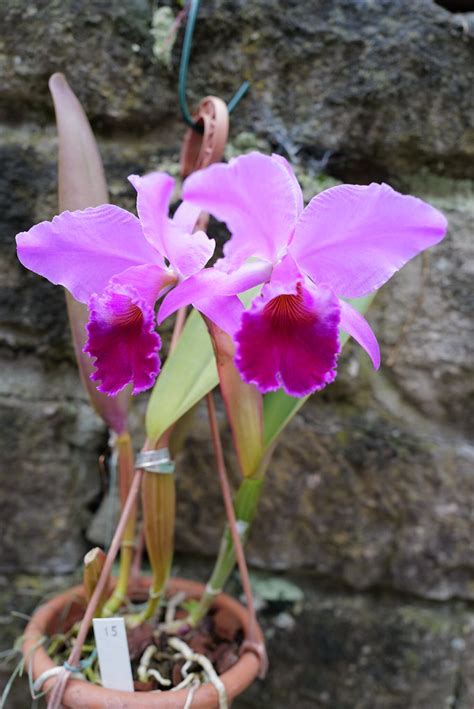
<point>183,71</point>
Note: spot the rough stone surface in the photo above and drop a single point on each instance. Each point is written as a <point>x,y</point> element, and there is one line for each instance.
<point>371,487</point>
<point>50,441</point>
<point>384,86</point>
<point>352,494</point>
<point>425,321</point>
<point>365,652</point>
<point>44,505</point>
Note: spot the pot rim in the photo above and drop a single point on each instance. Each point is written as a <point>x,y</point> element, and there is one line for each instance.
<point>85,694</point>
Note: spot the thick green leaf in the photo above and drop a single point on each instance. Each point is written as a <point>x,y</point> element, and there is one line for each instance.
<point>189,374</point>
<point>279,408</point>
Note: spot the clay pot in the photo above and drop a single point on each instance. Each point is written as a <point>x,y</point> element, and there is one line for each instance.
<point>65,609</point>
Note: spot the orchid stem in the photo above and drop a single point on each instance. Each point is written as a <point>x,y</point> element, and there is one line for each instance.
<point>159,513</point>
<point>158,501</point>
<point>138,555</point>
<point>245,505</point>
<point>126,472</point>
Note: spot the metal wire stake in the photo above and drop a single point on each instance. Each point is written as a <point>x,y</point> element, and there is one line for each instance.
<point>183,71</point>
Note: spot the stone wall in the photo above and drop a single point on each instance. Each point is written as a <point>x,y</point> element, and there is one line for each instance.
<point>372,485</point>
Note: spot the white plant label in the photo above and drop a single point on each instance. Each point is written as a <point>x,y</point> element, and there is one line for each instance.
<point>113,653</point>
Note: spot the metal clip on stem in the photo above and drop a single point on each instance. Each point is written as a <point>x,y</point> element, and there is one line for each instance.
<point>155,461</point>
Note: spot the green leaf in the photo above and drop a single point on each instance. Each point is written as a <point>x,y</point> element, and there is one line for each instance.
<point>189,374</point>
<point>274,589</point>
<point>279,408</point>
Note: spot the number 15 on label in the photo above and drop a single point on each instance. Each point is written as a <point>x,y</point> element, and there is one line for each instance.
<point>113,654</point>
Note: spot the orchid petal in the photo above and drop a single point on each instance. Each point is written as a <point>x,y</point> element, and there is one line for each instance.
<point>188,253</point>
<point>82,250</point>
<point>186,216</point>
<point>149,281</point>
<point>224,311</point>
<point>153,198</point>
<point>354,238</point>
<point>123,341</point>
<point>212,283</point>
<point>254,195</point>
<point>295,185</point>
<point>289,336</point>
<point>357,327</point>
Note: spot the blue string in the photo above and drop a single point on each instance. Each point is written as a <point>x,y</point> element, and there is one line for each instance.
<point>83,664</point>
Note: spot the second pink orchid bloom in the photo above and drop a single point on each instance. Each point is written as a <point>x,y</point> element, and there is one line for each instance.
<point>346,243</point>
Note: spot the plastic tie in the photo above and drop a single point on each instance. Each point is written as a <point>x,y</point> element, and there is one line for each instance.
<point>242,527</point>
<point>210,591</point>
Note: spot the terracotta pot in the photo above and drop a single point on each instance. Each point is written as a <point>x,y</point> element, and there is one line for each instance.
<point>65,609</point>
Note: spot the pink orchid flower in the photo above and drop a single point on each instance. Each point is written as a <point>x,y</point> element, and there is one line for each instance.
<point>120,266</point>
<point>346,243</point>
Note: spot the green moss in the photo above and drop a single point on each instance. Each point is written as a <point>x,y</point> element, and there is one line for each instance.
<point>244,143</point>
<point>312,183</point>
<point>444,192</point>
<point>424,620</point>
<point>163,35</point>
